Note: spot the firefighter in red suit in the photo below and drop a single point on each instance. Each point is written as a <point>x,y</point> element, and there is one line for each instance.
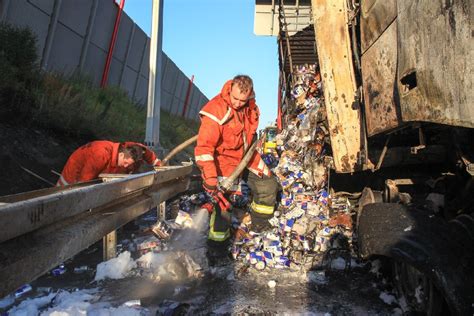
<point>94,158</point>
<point>228,124</point>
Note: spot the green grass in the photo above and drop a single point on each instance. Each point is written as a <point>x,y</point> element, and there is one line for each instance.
<point>174,130</point>
<point>75,106</point>
<point>72,105</point>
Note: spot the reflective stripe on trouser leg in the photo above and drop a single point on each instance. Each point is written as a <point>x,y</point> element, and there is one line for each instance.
<point>218,226</point>
<point>262,209</point>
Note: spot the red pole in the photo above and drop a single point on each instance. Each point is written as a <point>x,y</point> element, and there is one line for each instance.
<point>105,74</point>
<point>185,107</point>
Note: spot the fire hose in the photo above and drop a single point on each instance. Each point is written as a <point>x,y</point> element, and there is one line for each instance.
<point>178,149</point>
<point>218,196</point>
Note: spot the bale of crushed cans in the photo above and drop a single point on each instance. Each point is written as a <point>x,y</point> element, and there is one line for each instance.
<point>308,223</point>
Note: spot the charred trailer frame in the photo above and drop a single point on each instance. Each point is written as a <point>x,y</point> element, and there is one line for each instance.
<point>397,78</point>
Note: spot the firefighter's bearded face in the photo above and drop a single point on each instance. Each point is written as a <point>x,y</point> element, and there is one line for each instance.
<point>125,160</point>
<point>238,98</point>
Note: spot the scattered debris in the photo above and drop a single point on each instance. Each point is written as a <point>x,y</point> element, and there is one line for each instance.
<point>184,219</point>
<point>376,266</point>
<point>173,308</point>
<point>32,306</point>
<point>7,301</point>
<point>132,303</point>
<point>115,268</point>
<point>388,298</point>
<point>318,277</point>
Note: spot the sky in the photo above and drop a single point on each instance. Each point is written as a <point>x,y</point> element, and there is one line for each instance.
<point>214,41</point>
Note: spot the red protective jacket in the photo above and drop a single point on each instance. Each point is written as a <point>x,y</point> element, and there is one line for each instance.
<point>94,158</point>
<point>224,135</point>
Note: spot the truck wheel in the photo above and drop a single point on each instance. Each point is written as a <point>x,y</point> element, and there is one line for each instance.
<point>433,260</point>
<point>419,291</point>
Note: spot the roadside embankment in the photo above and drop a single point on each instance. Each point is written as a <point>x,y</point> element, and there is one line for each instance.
<point>44,117</point>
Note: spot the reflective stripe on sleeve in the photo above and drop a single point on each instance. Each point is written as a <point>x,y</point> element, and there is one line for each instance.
<point>204,157</point>
<point>215,119</point>
<point>62,181</point>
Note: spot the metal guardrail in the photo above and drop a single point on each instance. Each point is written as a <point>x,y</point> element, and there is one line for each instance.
<point>39,233</point>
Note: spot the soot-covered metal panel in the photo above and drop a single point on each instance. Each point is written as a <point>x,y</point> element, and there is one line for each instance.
<point>435,67</point>
<point>379,72</point>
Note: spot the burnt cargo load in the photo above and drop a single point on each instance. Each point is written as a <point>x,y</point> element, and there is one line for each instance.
<point>397,87</point>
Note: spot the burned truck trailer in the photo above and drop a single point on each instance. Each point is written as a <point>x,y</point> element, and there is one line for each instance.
<point>397,79</point>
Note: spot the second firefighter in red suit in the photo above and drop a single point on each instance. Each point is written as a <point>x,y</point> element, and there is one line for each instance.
<point>94,158</point>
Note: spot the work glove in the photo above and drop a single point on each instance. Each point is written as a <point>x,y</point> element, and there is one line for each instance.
<point>157,163</point>
<point>209,207</point>
<point>217,197</point>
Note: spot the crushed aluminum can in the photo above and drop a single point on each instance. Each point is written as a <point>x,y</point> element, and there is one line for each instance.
<point>295,213</point>
<point>289,225</point>
<point>320,244</point>
<point>323,197</point>
<point>326,231</point>
<point>282,262</point>
<point>148,245</point>
<point>198,199</point>
<point>23,290</point>
<point>132,303</point>
<point>286,242</point>
<point>306,245</point>
<point>184,219</point>
<point>162,230</point>
<point>81,269</point>
<point>119,248</point>
<point>268,256</point>
<point>322,217</point>
<point>256,257</point>
<point>260,265</point>
<point>61,269</point>
<point>274,221</point>
<point>44,289</point>
<point>235,251</point>
<point>286,202</point>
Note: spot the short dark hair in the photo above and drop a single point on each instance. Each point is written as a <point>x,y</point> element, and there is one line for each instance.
<point>135,152</point>
<point>244,83</point>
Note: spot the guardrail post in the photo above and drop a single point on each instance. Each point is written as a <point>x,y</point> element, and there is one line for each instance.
<point>162,211</point>
<point>110,245</point>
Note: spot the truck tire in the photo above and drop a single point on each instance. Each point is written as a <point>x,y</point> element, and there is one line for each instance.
<point>427,252</point>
